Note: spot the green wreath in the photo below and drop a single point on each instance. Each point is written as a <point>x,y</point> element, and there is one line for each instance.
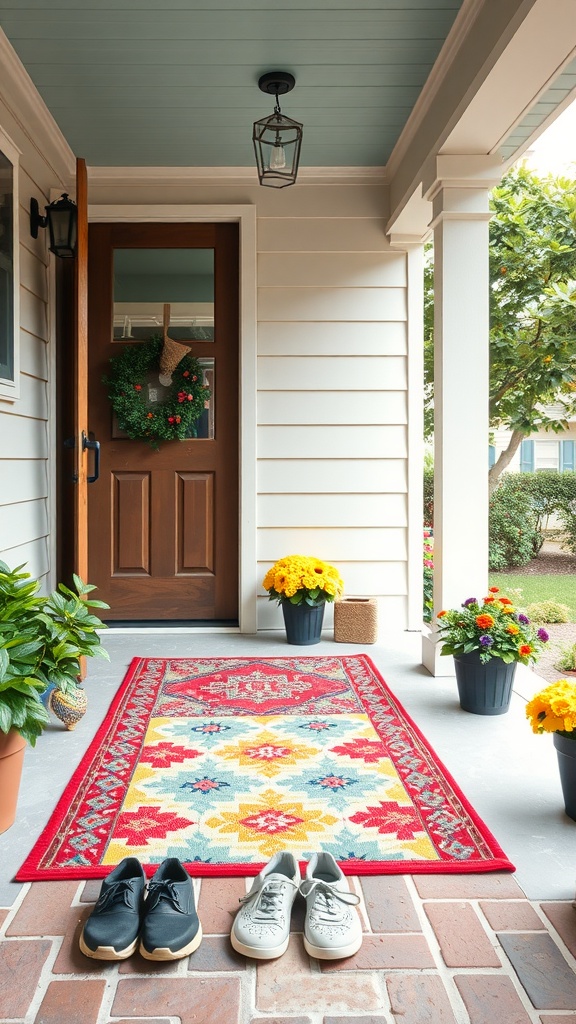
<point>173,418</point>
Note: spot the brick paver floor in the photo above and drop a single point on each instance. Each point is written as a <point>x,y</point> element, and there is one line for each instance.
<point>438,949</point>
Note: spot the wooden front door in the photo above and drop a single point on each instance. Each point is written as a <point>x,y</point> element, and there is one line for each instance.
<point>163,525</point>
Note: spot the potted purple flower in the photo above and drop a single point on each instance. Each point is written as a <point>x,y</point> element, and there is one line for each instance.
<point>487,639</point>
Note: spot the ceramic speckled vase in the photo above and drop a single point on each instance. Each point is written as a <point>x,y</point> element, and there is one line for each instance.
<point>69,707</point>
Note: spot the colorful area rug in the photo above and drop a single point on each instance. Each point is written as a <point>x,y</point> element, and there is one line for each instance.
<point>223,761</point>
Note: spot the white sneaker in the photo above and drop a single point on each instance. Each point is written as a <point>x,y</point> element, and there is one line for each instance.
<point>332,928</point>
<point>261,927</point>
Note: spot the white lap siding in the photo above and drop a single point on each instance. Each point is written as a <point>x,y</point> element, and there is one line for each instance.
<point>332,397</point>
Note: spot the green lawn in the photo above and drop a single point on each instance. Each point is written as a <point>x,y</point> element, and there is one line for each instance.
<point>539,588</point>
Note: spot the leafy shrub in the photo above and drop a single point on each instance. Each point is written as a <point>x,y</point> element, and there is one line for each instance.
<point>428,588</point>
<point>512,526</point>
<point>566,661</point>
<point>548,611</point>
<point>550,493</point>
<point>429,496</point>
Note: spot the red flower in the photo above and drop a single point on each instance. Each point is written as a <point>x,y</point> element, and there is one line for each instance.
<point>190,398</point>
<point>186,373</point>
<point>494,590</point>
<point>368,750</point>
<point>194,377</point>
<point>171,419</point>
<point>178,419</point>
<point>145,823</point>
<point>524,650</point>
<point>163,755</point>
<point>150,416</point>
<point>137,387</point>
<point>389,817</point>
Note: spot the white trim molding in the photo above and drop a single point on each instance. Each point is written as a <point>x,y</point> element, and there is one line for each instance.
<point>35,120</point>
<point>10,388</point>
<point>245,216</point>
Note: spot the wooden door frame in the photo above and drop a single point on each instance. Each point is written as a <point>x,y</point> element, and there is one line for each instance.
<point>245,217</point>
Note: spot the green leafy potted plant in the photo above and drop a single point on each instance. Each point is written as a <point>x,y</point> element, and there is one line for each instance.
<point>553,710</point>
<point>42,639</point>
<point>303,585</point>
<point>487,639</point>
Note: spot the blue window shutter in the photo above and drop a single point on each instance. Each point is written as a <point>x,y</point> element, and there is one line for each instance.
<point>567,455</point>
<point>527,456</point>
<point>491,455</point>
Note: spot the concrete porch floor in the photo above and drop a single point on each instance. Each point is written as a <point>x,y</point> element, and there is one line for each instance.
<point>444,949</point>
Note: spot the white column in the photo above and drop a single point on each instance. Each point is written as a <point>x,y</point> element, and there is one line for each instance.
<point>461,363</point>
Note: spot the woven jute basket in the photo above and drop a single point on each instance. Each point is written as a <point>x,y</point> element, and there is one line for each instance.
<point>356,620</point>
<point>172,353</point>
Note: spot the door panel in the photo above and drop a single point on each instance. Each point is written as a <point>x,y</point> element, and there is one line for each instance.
<point>195,533</point>
<point>131,524</point>
<point>163,525</point>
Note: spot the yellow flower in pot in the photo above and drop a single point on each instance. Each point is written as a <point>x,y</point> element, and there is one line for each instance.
<point>553,710</point>
<point>303,585</point>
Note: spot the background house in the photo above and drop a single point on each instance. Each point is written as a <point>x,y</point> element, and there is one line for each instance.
<point>410,116</point>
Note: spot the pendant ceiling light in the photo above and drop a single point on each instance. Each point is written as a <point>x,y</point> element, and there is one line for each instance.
<point>277,139</point>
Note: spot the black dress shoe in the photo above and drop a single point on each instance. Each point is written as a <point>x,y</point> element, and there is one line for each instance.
<point>171,928</point>
<point>111,932</point>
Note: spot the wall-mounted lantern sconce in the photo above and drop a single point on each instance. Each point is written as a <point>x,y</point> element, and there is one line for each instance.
<point>277,139</point>
<point>61,220</point>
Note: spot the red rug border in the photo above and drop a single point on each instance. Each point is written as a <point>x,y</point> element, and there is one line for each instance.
<point>29,871</point>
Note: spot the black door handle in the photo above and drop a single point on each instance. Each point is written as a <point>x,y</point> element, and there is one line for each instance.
<point>95,447</point>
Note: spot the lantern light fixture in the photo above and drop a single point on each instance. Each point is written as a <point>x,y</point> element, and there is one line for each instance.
<point>62,222</point>
<point>277,139</point>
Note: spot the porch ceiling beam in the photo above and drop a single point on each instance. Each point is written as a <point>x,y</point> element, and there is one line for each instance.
<point>496,63</point>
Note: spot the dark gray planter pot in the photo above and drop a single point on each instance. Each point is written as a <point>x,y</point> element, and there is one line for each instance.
<point>303,623</point>
<point>484,689</point>
<point>566,751</point>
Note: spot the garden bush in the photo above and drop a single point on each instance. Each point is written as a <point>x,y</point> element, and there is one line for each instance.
<point>566,661</point>
<point>429,496</point>
<point>512,526</point>
<point>548,611</point>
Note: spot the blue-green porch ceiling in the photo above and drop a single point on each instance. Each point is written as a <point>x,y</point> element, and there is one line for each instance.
<point>146,83</point>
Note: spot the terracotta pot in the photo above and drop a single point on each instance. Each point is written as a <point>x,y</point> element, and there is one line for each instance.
<point>12,747</point>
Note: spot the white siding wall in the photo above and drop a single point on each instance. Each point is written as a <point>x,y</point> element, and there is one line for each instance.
<point>331,380</point>
<point>25,428</point>
<point>332,403</point>
<point>502,437</point>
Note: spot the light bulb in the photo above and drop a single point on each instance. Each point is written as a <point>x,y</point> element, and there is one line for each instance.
<point>278,158</point>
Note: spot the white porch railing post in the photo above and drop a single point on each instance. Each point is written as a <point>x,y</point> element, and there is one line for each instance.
<point>461,366</point>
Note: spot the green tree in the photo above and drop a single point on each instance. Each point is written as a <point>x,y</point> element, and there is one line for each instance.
<point>532,308</point>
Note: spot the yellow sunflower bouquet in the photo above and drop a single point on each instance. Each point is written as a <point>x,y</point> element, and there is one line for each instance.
<point>300,579</point>
<point>554,709</point>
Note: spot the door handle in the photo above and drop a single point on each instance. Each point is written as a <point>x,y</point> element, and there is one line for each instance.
<point>95,447</point>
